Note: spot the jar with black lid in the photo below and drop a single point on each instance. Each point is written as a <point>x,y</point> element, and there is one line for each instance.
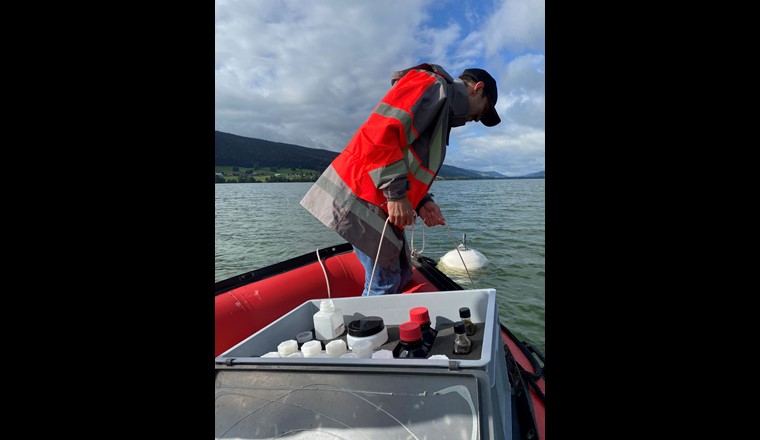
<point>371,328</point>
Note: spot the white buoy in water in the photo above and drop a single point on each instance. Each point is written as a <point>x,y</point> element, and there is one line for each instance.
<point>472,259</point>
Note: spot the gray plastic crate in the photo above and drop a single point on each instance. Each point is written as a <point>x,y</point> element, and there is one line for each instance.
<point>368,398</point>
<point>443,308</point>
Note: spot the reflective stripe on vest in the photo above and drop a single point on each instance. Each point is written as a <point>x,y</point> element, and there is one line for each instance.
<point>393,171</point>
<point>329,187</point>
<point>400,115</point>
<point>412,162</point>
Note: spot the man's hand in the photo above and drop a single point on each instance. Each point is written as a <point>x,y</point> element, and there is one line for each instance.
<point>431,214</point>
<point>400,212</point>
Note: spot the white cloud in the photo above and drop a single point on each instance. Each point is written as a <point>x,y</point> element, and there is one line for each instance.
<point>310,72</point>
<point>517,25</point>
<point>516,146</point>
<point>288,67</point>
<point>525,82</point>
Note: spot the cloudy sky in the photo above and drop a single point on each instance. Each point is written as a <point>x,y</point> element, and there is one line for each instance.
<point>309,72</point>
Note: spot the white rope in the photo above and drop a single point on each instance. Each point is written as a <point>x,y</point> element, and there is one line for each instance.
<point>369,287</point>
<point>413,250</point>
<point>456,246</point>
<point>325,272</point>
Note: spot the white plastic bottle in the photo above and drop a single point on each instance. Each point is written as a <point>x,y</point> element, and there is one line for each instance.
<point>328,321</point>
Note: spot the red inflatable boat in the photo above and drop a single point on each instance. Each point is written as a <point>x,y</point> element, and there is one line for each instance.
<point>247,303</point>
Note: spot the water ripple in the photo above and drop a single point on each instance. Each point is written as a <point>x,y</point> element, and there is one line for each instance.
<point>258,224</point>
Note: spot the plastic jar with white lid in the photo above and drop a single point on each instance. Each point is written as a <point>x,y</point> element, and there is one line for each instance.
<point>371,328</point>
<point>311,348</point>
<point>287,347</point>
<point>271,354</point>
<point>382,354</point>
<point>362,348</point>
<point>336,348</point>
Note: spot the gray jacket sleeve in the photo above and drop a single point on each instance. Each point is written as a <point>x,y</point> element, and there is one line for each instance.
<point>427,198</point>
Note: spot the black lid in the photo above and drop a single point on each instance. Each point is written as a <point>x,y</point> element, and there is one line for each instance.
<point>371,325</point>
<point>464,312</point>
<point>459,327</point>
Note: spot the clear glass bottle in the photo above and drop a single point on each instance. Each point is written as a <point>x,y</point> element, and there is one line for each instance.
<point>410,343</point>
<point>421,316</point>
<point>464,315</point>
<point>462,344</point>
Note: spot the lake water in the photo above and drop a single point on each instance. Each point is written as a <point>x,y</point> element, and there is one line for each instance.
<point>258,224</point>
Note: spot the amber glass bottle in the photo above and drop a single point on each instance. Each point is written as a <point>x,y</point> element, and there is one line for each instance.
<point>410,342</point>
<point>462,344</point>
<point>421,316</point>
<point>464,315</point>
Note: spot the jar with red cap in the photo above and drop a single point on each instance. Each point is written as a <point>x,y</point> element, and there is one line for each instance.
<point>421,316</point>
<point>410,343</point>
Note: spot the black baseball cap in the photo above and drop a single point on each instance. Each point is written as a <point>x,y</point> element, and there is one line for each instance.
<point>491,118</point>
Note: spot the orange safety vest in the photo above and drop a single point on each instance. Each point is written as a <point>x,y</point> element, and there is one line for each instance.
<point>397,151</point>
<point>383,148</point>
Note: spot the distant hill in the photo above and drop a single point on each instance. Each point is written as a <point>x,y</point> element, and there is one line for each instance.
<point>234,150</point>
<point>230,149</point>
<point>448,171</point>
<point>536,175</point>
